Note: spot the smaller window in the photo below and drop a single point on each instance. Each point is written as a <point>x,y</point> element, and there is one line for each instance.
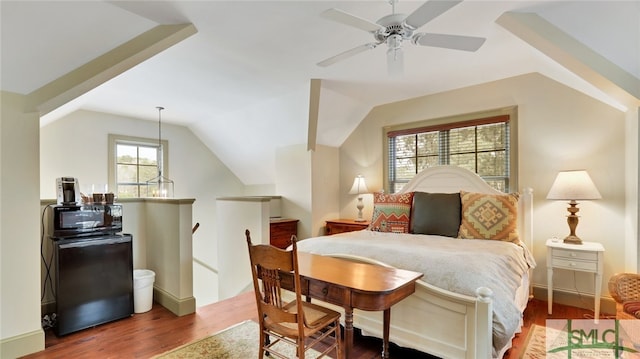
<point>134,161</point>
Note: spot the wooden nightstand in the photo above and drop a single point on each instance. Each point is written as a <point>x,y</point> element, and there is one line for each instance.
<point>344,225</point>
<point>585,257</point>
<point>281,230</point>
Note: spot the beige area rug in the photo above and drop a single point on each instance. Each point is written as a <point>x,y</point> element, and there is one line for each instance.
<point>536,347</point>
<point>237,342</point>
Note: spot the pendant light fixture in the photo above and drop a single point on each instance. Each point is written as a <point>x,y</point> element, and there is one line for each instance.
<point>160,186</point>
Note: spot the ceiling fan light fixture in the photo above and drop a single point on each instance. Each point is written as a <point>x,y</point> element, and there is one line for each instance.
<point>395,55</point>
<point>395,61</point>
<point>394,42</point>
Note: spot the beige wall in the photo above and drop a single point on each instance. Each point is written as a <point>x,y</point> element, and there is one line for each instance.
<point>559,129</point>
<point>237,214</point>
<point>309,186</point>
<point>325,187</point>
<point>293,183</point>
<point>20,330</point>
<point>632,245</point>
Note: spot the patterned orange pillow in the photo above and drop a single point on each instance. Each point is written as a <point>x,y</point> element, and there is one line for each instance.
<point>391,212</point>
<point>486,216</point>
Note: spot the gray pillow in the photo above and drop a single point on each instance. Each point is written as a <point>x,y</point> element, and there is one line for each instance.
<point>436,213</point>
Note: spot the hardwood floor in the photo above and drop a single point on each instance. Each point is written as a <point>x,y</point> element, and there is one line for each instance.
<point>147,334</point>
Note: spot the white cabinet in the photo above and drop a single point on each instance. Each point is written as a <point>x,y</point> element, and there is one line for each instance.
<point>585,257</point>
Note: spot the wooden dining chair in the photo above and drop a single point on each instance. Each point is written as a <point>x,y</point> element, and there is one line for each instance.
<point>301,324</point>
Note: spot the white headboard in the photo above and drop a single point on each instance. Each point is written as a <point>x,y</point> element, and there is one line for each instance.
<point>448,179</point>
<point>452,179</point>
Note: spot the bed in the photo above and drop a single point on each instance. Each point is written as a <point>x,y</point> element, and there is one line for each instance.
<point>470,301</point>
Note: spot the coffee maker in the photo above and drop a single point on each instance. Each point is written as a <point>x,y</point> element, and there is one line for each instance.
<point>68,190</point>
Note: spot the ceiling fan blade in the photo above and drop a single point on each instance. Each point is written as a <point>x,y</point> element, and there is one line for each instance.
<point>395,61</point>
<point>456,42</point>
<point>351,20</point>
<point>429,11</point>
<point>344,55</point>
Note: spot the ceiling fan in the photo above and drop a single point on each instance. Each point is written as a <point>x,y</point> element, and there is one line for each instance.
<point>395,28</point>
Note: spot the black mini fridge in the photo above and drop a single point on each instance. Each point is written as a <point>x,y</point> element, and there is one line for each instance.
<point>94,281</point>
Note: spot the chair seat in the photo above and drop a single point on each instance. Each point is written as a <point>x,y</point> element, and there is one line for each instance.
<point>316,316</point>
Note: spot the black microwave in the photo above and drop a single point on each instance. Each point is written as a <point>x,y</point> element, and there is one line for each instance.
<point>85,220</point>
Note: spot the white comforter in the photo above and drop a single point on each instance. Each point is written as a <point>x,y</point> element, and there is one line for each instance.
<point>457,265</point>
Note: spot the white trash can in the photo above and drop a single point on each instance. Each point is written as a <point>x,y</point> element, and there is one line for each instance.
<point>143,290</point>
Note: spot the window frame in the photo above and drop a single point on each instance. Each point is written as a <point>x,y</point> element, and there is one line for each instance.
<point>452,122</point>
<point>115,139</point>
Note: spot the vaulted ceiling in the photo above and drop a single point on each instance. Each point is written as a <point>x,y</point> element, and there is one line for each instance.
<point>244,72</point>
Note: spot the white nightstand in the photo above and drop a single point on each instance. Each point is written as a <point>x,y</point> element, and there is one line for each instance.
<point>585,257</point>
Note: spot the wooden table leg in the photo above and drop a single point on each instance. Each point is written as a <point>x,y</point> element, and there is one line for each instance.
<point>348,331</point>
<point>385,333</point>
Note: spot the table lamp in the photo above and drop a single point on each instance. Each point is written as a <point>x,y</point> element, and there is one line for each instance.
<point>359,187</point>
<point>573,186</point>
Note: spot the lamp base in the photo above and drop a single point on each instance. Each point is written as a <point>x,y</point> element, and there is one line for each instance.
<point>360,206</point>
<point>572,240</point>
<point>359,220</point>
<point>572,220</point>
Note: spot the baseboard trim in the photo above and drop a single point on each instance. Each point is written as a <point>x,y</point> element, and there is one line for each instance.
<point>579,300</point>
<point>22,344</point>
<point>177,306</point>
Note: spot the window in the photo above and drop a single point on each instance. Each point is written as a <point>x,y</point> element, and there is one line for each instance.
<point>134,161</point>
<point>480,142</point>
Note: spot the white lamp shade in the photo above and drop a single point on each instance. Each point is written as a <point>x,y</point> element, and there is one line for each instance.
<point>359,186</point>
<point>573,185</point>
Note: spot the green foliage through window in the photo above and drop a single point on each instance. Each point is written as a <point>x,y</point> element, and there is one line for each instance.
<point>135,165</point>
